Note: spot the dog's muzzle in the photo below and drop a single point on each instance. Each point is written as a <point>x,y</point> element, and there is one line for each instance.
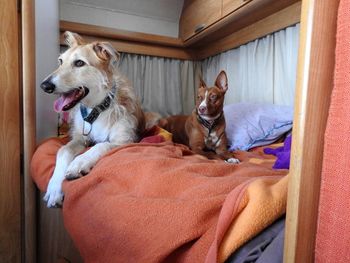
<point>48,86</point>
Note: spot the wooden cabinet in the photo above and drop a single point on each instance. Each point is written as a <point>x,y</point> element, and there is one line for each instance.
<point>203,22</point>
<point>198,15</point>
<point>229,6</point>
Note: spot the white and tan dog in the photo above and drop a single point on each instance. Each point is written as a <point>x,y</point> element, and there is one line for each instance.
<point>104,110</point>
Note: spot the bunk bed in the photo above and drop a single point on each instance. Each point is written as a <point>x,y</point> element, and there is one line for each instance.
<point>314,85</point>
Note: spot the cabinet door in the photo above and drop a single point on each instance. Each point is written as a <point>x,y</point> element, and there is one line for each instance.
<point>229,6</point>
<point>198,15</point>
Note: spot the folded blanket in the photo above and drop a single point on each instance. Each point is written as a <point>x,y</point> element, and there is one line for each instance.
<point>159,202</point>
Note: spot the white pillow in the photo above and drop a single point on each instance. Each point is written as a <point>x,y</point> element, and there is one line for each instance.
<point>249,125</point>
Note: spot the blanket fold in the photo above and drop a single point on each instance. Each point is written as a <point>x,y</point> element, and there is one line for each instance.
<point>160,202</point>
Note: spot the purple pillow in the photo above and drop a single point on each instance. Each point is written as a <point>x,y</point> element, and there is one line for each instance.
<point>249,125</point>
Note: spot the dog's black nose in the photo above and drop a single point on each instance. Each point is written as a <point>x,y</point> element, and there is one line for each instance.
<point>48,86</point>
<point>202,109</point>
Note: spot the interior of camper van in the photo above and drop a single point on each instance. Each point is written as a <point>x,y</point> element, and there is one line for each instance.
<point>279,68</point>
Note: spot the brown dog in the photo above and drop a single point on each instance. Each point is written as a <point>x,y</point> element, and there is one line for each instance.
<point>204,130</point>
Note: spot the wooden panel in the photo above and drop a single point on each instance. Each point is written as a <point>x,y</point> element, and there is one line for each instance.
<point>29,125</point>
<point>198,14</point>
<point>229,6</point>
<point>130,42</point>
<point>10,183</point>
<point>117,34</point>
<point>143,48</point>
<point>55,244</point>
<point>313,94</point>
<point>250,13</point>
<point>282,19</point>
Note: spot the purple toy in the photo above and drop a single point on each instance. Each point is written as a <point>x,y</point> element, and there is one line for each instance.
<point>282,153</point>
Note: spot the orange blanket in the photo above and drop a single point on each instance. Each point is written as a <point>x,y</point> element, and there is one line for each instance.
<point>161,203</point>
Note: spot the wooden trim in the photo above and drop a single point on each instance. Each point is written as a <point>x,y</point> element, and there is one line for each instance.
<point>277,21</point>
<point>142,48</point>
<point>130,42</point>
<point>313,95</point>
<point>10,135</point>
<point>55,242</point>
<point>29,127</point>
<point>117,34</point>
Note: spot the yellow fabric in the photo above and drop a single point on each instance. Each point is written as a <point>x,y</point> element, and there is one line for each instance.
<point>166,135</point>
<point>264,201</point>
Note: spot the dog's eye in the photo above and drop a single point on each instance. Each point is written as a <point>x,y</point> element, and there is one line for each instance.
<point>60,61</point>
<point>199,97</point>
<point>213,97</point>
<point>79,63</point>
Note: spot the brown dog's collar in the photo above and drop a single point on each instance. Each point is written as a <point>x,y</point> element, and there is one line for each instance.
<point>209,124</point>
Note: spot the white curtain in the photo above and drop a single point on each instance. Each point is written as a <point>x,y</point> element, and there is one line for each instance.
<point>261,71</point>
<point>164,85</point>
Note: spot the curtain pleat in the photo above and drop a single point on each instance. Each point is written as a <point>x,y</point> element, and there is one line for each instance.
<point>262,71</point>
<point>164,85</point>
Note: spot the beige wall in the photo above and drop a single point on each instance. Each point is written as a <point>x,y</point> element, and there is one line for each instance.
<point>160,17</point>
<point>47,51</point>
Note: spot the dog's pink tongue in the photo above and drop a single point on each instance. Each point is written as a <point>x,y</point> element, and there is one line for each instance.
<point>64,100</point>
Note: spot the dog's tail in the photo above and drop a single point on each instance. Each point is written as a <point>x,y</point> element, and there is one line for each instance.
<point>152,118</point>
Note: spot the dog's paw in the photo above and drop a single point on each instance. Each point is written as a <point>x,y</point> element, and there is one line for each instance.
<point>54,195</point>
<point>78,168</point>
<point>232,160</point>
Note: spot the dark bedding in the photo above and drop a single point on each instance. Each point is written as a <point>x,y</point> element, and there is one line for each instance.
<point>266,247</point>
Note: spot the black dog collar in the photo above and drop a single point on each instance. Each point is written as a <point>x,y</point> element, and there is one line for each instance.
<point>96,111</point>
<point>209,124</point>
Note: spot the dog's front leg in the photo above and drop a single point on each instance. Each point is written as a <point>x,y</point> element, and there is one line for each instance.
<point>227,156</point>
<point>54,194</point>
<point>83,163</point>
<point>197,146</point>
<point>222,151</point>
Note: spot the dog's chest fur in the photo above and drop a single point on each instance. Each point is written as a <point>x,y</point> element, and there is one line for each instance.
<point>212,141</point>
<point>212,137</point>
<point>99,131</point>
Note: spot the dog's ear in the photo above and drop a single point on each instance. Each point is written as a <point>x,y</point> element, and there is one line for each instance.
<point>105,51</point>
<point>221,81</point>
<point>202,83</point>
<point>73,39</point>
